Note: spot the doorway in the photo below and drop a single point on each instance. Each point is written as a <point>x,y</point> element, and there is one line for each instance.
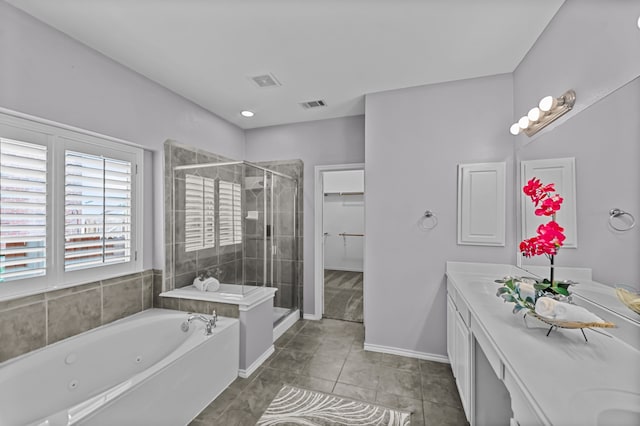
<point>340,241</point>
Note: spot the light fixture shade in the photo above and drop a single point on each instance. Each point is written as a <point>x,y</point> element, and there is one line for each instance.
<point>514,129</point>
<point>247,113</point>
<point>547,103</point>
<point>534,114</point>
<point>523,122</point>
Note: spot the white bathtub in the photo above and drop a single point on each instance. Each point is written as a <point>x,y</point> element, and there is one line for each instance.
<point>142,370</point>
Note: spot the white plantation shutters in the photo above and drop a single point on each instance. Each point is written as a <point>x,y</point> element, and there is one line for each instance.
<point>23,211</point>
<point>199,213</point>
<point>230,201</point>
<point>97,214</point>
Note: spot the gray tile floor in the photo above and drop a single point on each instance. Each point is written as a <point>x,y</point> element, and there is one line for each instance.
<point>328,356</point>
<point>343,298</point>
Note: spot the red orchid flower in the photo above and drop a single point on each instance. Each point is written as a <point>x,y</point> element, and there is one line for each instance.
<point>549,206</point>
<point>552,233</point>
<point>537,191</point>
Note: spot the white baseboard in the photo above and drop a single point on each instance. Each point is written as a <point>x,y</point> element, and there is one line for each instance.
<point>312,317</point>
<point>285,324</point>
<point>406,352</point>
<point>257,363</point>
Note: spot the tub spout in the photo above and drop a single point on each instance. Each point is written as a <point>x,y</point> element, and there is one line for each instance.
<point>208,323</point>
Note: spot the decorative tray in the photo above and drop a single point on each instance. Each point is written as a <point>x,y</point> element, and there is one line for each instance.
<point>571,324</point>
<point>629,299</point>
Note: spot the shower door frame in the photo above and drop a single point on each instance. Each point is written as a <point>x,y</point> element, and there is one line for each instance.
<point>295,248</point>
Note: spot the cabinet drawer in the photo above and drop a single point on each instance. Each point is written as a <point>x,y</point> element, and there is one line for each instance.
<point>489,351</point>
<point>523,412</point>
<point>464,312</point>
<point>453,294</point>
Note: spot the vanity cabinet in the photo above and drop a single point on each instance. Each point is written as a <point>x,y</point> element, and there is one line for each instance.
<point>459,349</point>
<point>511,373</point>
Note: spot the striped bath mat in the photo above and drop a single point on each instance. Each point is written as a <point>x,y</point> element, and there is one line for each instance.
<point>294,406</point>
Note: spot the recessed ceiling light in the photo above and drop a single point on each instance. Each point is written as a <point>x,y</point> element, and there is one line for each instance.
<point>247,113</point>
<point>639,22</point>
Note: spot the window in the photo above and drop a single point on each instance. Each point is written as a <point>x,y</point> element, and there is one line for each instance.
<point>68,206</point>
<point>199,213</point>
<point>97,216</point>
<point>230,200</point>
<point>23,210</point>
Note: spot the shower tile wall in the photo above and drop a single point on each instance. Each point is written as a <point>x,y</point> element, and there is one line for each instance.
<point>31,322</point>
<point>289,268</point>
<point>224,262</point>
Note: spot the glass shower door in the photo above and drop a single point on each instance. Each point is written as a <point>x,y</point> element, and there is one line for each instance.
<point>282,256</point>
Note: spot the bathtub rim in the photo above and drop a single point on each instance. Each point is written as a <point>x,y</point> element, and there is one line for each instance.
<point>146,312</point>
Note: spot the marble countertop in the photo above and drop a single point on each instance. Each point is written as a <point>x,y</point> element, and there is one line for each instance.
<point>567,380</point>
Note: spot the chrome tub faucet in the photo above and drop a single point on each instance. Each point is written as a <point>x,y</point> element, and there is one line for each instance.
<point>209,323</point>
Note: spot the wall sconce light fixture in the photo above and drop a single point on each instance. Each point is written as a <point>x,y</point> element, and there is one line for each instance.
<point>548,110</point>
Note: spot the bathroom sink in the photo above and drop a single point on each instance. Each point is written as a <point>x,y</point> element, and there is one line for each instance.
<point>608,407</point>
<point>619,417</point>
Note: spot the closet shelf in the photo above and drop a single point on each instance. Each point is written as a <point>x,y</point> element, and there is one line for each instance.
<point>343,193</point>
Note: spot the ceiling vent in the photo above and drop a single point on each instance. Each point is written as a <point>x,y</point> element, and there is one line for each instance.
<point>313,104</point>
<point>267,80</point>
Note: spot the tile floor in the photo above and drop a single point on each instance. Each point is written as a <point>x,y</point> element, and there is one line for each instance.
<point>328,356</point>
<point>343,298</point>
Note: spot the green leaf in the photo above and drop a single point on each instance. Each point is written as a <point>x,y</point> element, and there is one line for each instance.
<point>529,299</point>
<point>499,281</point>
<point>541,286</point>
<point>510,284</point>
<point>560,290</point>
<point>517,309</point>
<point>502,290</point>
<point>508,298</point>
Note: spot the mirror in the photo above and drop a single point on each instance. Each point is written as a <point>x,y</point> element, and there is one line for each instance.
<point>603,139</point>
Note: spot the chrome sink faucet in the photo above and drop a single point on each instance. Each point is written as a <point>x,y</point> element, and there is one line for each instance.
<point>209,323</point>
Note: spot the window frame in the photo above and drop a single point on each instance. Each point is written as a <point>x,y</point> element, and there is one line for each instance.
<point>58,138</point>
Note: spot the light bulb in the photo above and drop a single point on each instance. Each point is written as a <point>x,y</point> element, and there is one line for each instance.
<point>534,114</point>
<point>247,113</point>
<point>523,122</point>
<point>514,129</point>
<point>547,103</point>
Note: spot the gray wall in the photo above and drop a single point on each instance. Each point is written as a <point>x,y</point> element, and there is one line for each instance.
<point>592,47</point>
<point>47,74</point>
<point>324,142</point>
<point>415,138</point>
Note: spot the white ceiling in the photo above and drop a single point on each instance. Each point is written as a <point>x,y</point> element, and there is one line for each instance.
<point>335,50</point>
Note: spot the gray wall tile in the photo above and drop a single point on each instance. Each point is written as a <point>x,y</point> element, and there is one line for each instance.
<point>122,299</point>
<point>73,314</point>
<point>147,290</point>
<point>22,301</point>
<point>21,330</point>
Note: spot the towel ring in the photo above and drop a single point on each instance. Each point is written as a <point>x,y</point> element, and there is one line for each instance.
<point>428,221</point>
<point>614,213</point>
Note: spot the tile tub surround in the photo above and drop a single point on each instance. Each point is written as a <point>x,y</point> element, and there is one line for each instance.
<point>328,356</point>
<point>32,322</point>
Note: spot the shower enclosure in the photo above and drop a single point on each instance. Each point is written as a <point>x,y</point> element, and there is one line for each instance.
<point>236,221</point>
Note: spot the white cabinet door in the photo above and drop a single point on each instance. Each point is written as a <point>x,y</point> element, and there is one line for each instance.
<point>451,328</point>
<point>462,349</point>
